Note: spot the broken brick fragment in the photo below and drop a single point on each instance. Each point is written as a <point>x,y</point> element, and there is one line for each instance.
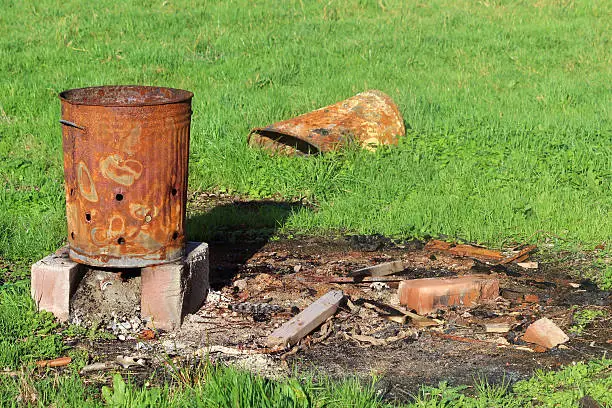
<point>545,333</point>
<point>146,334</point>
<point>429,294</point>
<point>531,298</point>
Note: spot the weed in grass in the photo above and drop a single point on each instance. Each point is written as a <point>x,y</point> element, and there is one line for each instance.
<point>565,387</point>
<point>207,385</point>
<point>441,396</point>
<point>494,395</point>
<point>93,332</point>
<point>348,393</point>
<point>602,273</point>
<point>80,359</point>
<point>584,317</point>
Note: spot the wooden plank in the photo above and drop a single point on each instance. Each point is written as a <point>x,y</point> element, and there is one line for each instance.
<point>475,252</point>
<point>521,254</point>
<point>384,269</point>
<point>306,321</point>
<point>497,327</point>
<point>464,250</point>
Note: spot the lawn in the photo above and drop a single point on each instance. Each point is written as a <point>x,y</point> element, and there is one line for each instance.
<point>506,105</point>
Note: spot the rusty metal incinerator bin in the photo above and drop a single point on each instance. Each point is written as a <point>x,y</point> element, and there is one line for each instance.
<point>126,152</point>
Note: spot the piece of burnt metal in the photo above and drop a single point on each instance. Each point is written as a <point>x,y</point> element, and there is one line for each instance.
<point>256,308</point>
<point>368,119</point>
<point>125,163</point>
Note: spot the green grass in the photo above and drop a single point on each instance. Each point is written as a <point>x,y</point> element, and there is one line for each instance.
<point>218,386</point>
<point>507,105</point>
<point>25,335</point>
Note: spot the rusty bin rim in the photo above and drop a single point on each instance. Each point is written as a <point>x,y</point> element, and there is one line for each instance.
<point>262,131</point>
<point>287,132</point>
<point>178,95</point>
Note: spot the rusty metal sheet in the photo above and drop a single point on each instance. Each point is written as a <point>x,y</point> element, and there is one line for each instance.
<point>368,119</point>
<point>126,152</point>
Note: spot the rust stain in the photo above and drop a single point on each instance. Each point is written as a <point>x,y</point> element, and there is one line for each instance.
<point>143,211</point>
<point>369,119</point>
<point>125,166</point>
<point>116,226</point>
<point>86,184</point>
<point>121,171</point>
<point>130,142</point>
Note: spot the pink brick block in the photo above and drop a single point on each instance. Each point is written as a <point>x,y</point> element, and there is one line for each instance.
<point>54,280</point>
<point>427,295</point>
<point>170,291</point>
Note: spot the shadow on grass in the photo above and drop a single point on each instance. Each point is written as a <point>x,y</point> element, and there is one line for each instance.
<point>236,231</point>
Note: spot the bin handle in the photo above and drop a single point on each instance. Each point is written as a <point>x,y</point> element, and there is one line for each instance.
<point>71,124</point>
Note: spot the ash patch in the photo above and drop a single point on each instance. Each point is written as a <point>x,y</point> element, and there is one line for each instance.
<point>110,300</point>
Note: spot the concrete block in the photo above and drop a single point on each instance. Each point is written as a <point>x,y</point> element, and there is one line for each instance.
<point>427,295</point>
<point>171,291</point>
<point>54,280</point>
<point>545,333</point>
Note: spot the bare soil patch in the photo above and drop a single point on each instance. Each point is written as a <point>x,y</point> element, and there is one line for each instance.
<point>257,284</point>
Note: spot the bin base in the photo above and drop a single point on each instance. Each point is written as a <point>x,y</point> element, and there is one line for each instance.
<point>168,292</point>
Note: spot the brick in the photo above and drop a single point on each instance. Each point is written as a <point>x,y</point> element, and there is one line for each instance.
<point>54,281</point>
<point>545,333</point>
<point>171,291</point>
<point>430,294</point>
